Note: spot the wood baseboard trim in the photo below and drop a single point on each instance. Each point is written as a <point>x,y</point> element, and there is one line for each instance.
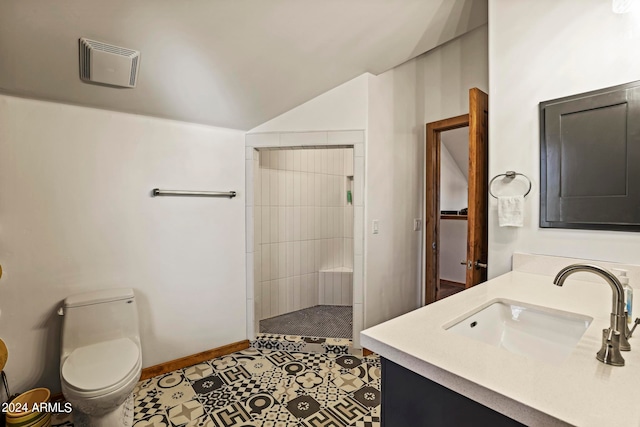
<point>183,362</point>
<point>366,352</point>
<point>194,359</point>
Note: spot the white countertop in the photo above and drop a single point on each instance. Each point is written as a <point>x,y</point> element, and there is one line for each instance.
<point>578,391</point>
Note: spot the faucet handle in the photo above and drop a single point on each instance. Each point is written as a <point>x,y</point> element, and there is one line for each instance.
<point>610,351</point>
<point>635,323</point>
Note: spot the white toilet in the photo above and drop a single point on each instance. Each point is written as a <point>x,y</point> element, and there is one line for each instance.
<point>101,358</point>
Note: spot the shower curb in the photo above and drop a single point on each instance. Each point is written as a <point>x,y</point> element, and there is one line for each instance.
<point>300,344</point>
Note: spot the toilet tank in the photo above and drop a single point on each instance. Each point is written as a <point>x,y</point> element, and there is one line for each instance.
<point>99,316</point>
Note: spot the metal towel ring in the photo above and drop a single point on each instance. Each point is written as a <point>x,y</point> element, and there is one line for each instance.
<point>509,175</point>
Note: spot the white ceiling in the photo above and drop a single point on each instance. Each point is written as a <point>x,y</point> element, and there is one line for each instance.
<point>227,63</point>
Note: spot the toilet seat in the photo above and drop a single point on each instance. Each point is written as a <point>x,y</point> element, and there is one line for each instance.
<point>100,368</point>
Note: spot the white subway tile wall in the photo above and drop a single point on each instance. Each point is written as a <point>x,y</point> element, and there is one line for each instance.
<point>303,225</point>
<point>335,286</point>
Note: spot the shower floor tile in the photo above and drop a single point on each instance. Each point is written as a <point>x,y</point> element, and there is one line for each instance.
<point>318,321</point>
<point>262,387</point>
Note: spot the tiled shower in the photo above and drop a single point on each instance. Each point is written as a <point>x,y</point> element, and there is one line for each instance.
<point>303,229</point>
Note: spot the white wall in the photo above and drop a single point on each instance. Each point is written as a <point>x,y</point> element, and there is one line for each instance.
<point>76,215</point>
<point>453,184</point>
<point>341,108</point>
<point>453,250</point>
<point>431,87</point>
<point>541,51</point>
<point>302,225</point>
<point>449,71</point>
<point>393,196</point>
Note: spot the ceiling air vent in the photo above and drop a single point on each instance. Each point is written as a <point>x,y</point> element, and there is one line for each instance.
<point>106,64</point>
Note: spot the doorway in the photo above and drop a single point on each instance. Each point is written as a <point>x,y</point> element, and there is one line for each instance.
<point>303,231</point>
<point>309,140</point>
<point>475,259</point>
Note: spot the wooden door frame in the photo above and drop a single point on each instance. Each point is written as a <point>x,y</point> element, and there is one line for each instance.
<point>477,225</point>
<point>432,200</point>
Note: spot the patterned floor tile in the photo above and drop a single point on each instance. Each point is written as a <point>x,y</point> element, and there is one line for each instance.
<point>263,388</point>
<point>245,388</point>
<point>172,396</point>
<point>208,384</point>
<point>223,363</point>
<point>367,372</point>
<point>185,413</point>
<point>216,399</point>
<point>348,382</point>
<point>280,343</point>
<point>306,344</point>
<point>257,365</point>
<point>279,358</point>
<point>258,404</point>
<point>232,415</point>
<point>336,349</point>
<point>61,420</point>
<point>272,378</point>
<point>276,416</point>
<point>198,372</point>
<point>348,362</point>
<point>376,384</point>
<point>294,368</point>
<point>326,394</point>
<point>367,421</point>
<point>361,372</point>
<point>323,418</point>
<point>303,406</point>
<point>148,405</point>
<point>203,421</point>
<point>373,359</point>
<point>309,380</point>
<point>286,390</point>
<point>170,380</point>
<point>143,387</point>
<point>234,374</point>
<point>330,369</point>
<point>313,360</point>
<point>348,410</point>
<point>367,396</point>
<point>338,341</point>
<point>157,420</point>
<point>274,337</point>
<point>313,348</point>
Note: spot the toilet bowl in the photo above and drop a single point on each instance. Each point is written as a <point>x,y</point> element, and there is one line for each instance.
<point>101,358</point>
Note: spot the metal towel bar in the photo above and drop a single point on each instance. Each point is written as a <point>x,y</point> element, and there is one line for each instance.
<point>157,192</point>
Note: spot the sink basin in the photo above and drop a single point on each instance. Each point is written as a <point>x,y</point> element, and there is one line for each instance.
<point>538,332</point>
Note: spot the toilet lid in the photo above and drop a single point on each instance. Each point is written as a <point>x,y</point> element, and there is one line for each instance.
<point>101,365</point>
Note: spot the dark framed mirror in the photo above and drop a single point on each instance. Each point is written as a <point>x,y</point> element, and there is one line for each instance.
<point>590,160</point>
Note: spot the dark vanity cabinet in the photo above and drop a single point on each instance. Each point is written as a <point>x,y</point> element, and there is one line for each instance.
<point>590,160</point>
<point>411,400</point>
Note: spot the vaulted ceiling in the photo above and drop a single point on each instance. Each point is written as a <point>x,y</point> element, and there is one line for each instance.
<point>226,63</point>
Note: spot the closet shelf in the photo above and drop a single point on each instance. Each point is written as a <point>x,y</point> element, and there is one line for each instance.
<point>453,217</point>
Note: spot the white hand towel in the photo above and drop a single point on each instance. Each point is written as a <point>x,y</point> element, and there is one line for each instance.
<point>511,211</point>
